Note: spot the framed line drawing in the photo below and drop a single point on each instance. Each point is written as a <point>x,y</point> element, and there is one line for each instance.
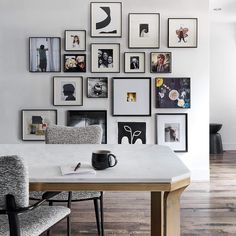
<point>68,90</point>
<point>160,62</point>
<point>106,19</point>
<point>105,57</point>
<point>131,96</point>
<point>44,54</point>
<point>75,40</point>
<point>134,62</point>
<point>144,30</point>
<point>35,122</point>
<point>82,118</point>
<point>172,130</point>
<point>97,87</point>
<point>182,32</point>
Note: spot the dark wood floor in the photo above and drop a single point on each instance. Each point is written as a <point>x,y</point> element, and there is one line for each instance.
<point>206,208</point>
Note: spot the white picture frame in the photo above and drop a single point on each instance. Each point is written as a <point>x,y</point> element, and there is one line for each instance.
<point>75,40</point>
<point>134,62</point>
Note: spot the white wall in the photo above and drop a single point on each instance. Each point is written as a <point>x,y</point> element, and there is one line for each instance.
<point>223,80</point>
<point>21,89</point>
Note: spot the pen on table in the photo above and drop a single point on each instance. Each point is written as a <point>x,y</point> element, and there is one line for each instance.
<point>77,167</point>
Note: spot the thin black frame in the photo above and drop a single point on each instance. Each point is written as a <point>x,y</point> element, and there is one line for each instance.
<point>91,35</point>
<point>85,41</point>
<point>89,111</point>
<point>168,33</point>
<point>82,89</point>
<point>59,56</point>
<point>160,72</point>
<point>96,78</point>
<point>138,78</point>
<point>74,54</point>
<point>22,122</point>
<point>144,63</point>
<point>186,128</point>
<point>91,57</point>
<point>159,30</point>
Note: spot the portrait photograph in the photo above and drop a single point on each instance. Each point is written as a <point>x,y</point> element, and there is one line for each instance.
<point>182,32</point>
<point>134,62</point>
<point>44,54</point>
<point>75,63</point>
<point>106,19</point>
<point>75,40</point>
<point>105,58</point>
<point>172,92</point>
<point>161,62</point>
<point>97,87</point>
<point>68,91</point>
<point>172,130</point>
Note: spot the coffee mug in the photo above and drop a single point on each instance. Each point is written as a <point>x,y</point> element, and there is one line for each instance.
<point>102,159</point>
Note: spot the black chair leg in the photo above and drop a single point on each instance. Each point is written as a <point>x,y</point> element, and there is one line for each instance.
<point>101,213</point>
<point>48,232</point>
<point>95,201</point>
<point>68,226</point>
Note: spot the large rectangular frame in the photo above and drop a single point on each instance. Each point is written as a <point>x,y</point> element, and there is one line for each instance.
<point>131,96</point>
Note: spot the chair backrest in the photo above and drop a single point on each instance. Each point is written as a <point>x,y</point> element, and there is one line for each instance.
<point>14,180</point>
<point>56,134</point>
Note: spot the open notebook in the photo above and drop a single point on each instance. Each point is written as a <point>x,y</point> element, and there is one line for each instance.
<point>85,168</point>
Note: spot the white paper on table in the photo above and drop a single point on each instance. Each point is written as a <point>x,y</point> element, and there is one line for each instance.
<point>85,168</point>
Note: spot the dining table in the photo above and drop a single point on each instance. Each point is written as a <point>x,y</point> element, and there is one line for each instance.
<point>145,167</point>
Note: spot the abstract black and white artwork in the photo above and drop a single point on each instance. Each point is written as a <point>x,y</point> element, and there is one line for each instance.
<point>106,19</point>
<point>82,118</point>
<point>131,132</point>
<point>97,87</point>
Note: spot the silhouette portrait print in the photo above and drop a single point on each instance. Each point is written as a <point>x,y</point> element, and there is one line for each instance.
<point>68,90</point>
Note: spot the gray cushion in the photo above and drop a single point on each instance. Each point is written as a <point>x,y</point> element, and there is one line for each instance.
<point>35,222</point>
<point>56,134</point>
<point>64,195</point>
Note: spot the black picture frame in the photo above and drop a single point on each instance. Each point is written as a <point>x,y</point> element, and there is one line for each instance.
<point>37,50</point>
<point>127,95</point>
<point>141,64</point>
<point>165,62</point>
<point>176,39</point>
<point>74,63</point>
<point>172,130</point>
<point>81,34</point>
<point>88,117</point>
<point>97,87</point>
<point>137,38</point>
<point>104,7</point>
<point>35,131</point>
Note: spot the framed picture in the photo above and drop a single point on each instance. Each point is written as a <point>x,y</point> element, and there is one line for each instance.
<point>106,19</point>
<point>35,122</point>
<point>131,96</point>
<point>172,130</point>
<point>182,32</point>
<point>84,118</point>
<point>44,54</point>
<point>68,91</point>
<point>144,30</point>
<point>131,132</point>
<point>97,87</point>
<point>134,62</point>
<point>160,62</point>
<point>75,63</point>
<point>75,40</point>
<point>172,92</point>
<point>105,57</point>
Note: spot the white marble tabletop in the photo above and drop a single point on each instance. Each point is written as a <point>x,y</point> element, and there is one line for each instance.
<point>136,163</point>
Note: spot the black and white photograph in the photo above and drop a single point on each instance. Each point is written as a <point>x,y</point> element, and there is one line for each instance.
<point>68,91</point>
<point>106,19</point>
<point>105,57</point>
<point>75,63</point>
<point>97,87</point>
<point>172,130</point>
<point>134,62</point>
<point>82,118</point>
<point>161,62</point>
<point>35,123</point>
<point>44,54</point>
<point>131,132</point>
<point>144,30</point>
<point>75,40</point>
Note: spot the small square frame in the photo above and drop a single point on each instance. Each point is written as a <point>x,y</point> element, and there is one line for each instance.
<point>75,63</point>
<point>97,87</point>
<point>75,40</point>
<point>160,62</point>
<point>134,62</point>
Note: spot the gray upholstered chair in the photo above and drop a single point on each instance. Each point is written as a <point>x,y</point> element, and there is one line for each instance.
<point>17,218</point>
<point>56,134</point>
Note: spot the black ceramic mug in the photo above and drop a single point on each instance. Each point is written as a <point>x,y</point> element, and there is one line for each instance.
<point>102,159</point>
